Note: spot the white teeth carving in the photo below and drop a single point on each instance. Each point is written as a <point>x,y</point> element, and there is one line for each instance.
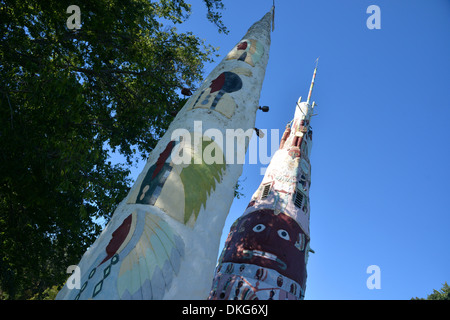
<point>248,254</point>
<point>266,255</point>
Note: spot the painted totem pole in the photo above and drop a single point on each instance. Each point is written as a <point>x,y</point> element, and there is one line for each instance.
<point>163,239</point>
<point>266,252</point>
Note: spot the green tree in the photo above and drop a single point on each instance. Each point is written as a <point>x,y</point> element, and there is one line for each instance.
<point>69,97</point>
<point>443,294</point>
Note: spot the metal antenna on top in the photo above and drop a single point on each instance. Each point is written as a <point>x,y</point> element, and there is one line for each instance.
<point>312,82</point>
<point>273,16</point>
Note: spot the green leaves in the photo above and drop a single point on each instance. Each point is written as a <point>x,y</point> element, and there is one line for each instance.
<point>442,294</point>
<point>67,99</point>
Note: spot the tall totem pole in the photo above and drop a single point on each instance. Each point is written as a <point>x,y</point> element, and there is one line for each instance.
<point>266,252</point>
<point>162,240</point>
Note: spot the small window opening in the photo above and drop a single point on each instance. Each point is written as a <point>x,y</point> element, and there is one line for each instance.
<point>298,199</point>
<point>266,190</point>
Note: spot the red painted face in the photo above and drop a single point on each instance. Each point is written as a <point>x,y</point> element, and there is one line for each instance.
<point>268,240</point>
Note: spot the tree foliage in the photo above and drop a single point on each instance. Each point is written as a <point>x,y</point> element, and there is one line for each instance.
<point>443,294</point>
<point>69,97</point>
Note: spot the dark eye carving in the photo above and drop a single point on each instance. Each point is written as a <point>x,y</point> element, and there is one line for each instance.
<point>283,234</point>
<point>259,227</point>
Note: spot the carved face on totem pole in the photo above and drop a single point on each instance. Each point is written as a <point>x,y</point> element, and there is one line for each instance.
<point>270,240</point>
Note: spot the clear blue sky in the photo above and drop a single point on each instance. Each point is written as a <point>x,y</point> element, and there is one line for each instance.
<point>381,153</point>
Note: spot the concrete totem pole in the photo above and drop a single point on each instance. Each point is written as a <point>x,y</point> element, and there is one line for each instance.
<point>162,240</point>
<point>266,252</point>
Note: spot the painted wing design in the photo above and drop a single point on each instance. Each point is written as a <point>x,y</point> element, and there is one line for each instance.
<point>149,268</point>
<point>200,179</point>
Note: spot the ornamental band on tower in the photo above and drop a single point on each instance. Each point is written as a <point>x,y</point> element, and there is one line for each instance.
<point>162,240</point>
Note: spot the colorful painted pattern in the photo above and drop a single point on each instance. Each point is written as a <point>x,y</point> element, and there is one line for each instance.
<point>148,270</point>
<point>193,180</point>
<point>217,95</point>
<point>236,281</point>
<point>140,261</point>
<point>249,51</point>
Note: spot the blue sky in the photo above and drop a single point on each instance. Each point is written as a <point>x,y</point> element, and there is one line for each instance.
<point>381,153</point>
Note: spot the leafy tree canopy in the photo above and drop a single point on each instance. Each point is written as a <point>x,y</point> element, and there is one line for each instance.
<point>67,98</point>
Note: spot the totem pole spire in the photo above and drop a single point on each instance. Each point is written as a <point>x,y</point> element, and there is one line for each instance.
<point>312,82</point>
<point>162,240</point>
<point>273,16</point>
<point>267,249</point>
